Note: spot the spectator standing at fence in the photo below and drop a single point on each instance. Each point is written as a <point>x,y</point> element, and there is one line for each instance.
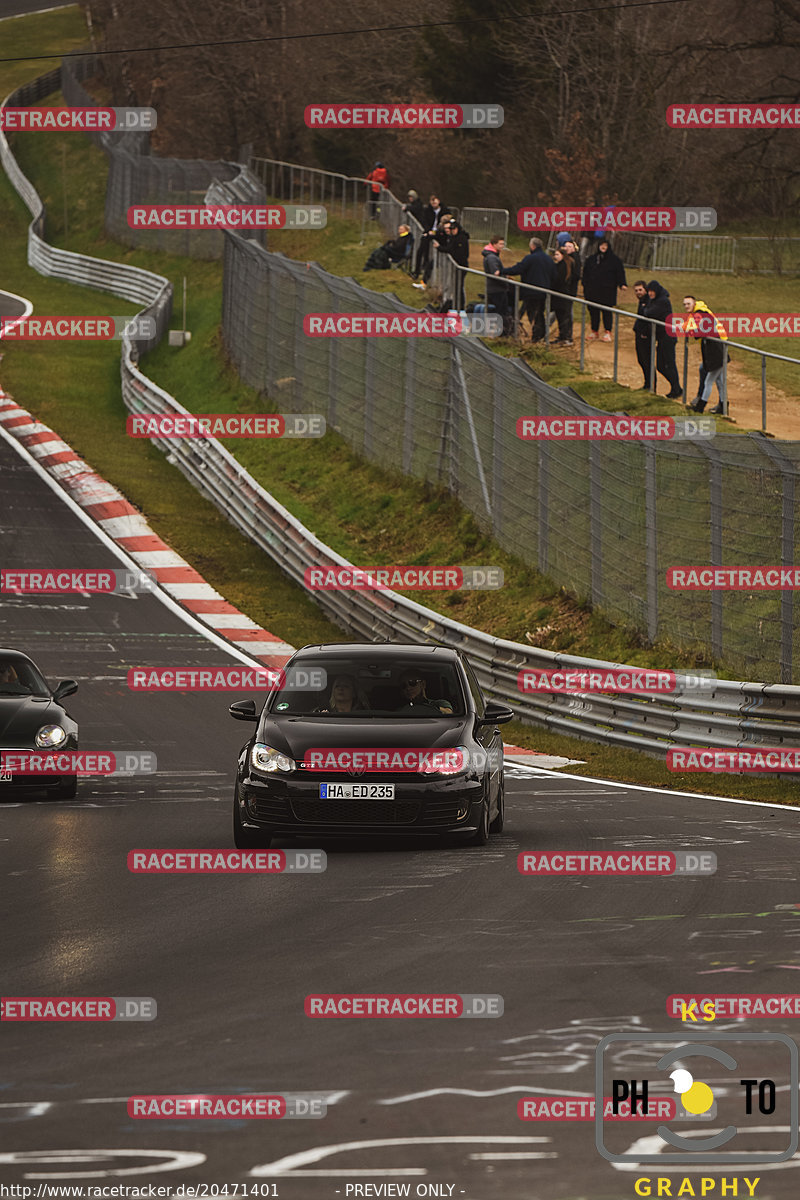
<point>414,205</point>
<point>536,269</point>
<point>497,290</point>
<point>456,244</point>
<point>659,308</point>
<point>642,335</point>
<point>562,307</point>
<point>379,178</point>
<point>603,273</point>
<point>432,214</point>
<point>714,352</point>
<point>569,250</point>
<point>696,325</point>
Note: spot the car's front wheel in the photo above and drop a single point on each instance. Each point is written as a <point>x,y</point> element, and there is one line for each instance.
<point>67,789</point>
<point>244,838</point>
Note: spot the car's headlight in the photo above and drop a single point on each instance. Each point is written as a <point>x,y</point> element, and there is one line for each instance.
<point>264,758</point>
<point>452,761</point>
<point>51,735</point>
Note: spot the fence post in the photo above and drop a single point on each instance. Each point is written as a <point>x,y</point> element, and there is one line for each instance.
<point>583,336</point>
<point>685,371</point>
<point>616,344</point>
<point>724,381</point>
<point>498,434</point>
<point>369,395</point>
<point>544,515</point>
<point>763,393</point>
<point>517,321</point>
<point>715,538</point>
<point>408,423</point>
<point>788,474</point>
<point>651,536</point>
<point>595,522</point>
<point>653,382</point>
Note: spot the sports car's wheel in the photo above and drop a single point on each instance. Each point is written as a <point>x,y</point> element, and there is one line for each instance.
<point>67,790</point>
<point>244,838</point>
<point>481,835</point>
<point>497,824</point>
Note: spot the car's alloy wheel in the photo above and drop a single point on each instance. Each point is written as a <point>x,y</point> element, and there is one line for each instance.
<point>244,838</point>
<point>497,824</point>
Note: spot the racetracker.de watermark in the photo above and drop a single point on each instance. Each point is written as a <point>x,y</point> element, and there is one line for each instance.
<point>232,425</point>
<point>228,1108</point>
<point>734,324</point>
<point>403,116</point>
<point>227,862</point>
<point>409,579</point>
<point>618,218</point>
<point>75,329</point>
<point>406,760</point>
<point>226,679</point>
<point>362,325</point>
<point>77,762</point>
<point>227,216</point>
<point>566,680</point>
<point>581,1108</point>
<point>111,120</point>
<point>78,1008</point>
<point>400,1005</point>
<point>765,760</point>
<point>617,862</point>
<point>733,579</point>
<point>709,1008</point>
<point>58,582</point>
<point>614,429</point>
<point>733,116</point>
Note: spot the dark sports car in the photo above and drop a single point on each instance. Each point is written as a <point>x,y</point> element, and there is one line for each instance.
<point>32,718</point>
<point>378,739</point>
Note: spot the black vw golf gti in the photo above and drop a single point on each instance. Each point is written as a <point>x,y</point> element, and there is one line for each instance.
<point>378,739</point>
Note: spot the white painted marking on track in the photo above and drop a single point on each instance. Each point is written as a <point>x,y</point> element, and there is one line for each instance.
<point>293,1164</point>
<point>180,1160</point>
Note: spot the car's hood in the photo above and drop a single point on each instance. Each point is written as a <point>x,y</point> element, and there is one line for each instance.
<point>296,735</point>
<point>22,716</point>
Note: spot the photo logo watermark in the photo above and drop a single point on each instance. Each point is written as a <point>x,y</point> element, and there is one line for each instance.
<point>581,1108</point>
<point>71,582</point>
<point>75,329</point>
<point>110,120</point>
<point>566,681</point>
<point>227,862</point>
<point>727,1005</point>
<point>733,579</point>
<point>734,1064</point>
<point>618,217</point>
<point>78,1008</point>
<point>226,679</point>
<point>232,425</point>
<point>76,762</point>
<point>766,760</point>
<point>229,1108</point>
<point>362,325</point>
<point>405,761</point>
<point>338,579</point>
<point>733,116</point>
<point>227,216</point>
<point>403,1005</point>
<point>617,862</point>
<point>403,116</point>
<point>614,429</point>
<point>733,324</point>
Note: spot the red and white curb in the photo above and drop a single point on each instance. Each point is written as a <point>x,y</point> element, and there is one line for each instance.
<point>532,758</point>
<point>125,525</point>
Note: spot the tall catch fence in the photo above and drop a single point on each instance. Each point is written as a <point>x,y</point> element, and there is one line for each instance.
<point>604,519</point>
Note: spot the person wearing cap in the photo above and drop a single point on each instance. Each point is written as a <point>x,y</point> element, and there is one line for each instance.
<point>380,179</point>
<point>414,205</point>
<point>658,307</point>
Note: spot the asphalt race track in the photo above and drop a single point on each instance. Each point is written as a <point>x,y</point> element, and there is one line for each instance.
<point>229,959</point>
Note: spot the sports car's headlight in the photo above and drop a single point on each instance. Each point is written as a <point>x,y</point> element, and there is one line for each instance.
<point>264,758</point>
<point>452,761</point>
<point>51,735</point>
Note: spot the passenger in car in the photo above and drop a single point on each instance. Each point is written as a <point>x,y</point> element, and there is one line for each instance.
<point>345,696</point>
<point>415,692</point>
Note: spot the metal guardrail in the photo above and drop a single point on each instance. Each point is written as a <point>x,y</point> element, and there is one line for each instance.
<point>726,715</point>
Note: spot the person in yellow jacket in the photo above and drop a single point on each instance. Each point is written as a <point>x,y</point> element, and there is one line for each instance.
<point>694,328</point>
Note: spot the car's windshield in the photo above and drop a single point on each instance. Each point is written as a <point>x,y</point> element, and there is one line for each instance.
<point>362,687</point>
<point>19,678</point>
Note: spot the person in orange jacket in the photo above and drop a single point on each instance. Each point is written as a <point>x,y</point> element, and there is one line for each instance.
<point>379,178</point>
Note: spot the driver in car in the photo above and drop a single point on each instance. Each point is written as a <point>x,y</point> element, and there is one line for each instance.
<point>415,695</point>
<point>8,674</point>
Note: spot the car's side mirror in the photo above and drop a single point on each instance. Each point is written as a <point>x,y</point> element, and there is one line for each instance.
<point>244,710</point>
<point>67,687</point>
<point>496,714</point>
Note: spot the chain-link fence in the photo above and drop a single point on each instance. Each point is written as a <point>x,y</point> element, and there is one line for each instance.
<point>605,519</point>
<point>707,253</point>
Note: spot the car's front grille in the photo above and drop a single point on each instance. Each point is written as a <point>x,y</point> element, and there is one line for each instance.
<point>355,812</point>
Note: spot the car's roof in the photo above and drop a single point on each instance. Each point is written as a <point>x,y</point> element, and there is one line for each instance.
<point>381,650</point>
<point>15,655</point>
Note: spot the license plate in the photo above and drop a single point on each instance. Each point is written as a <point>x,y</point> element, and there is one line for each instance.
<point>6,777</point>
<point>356,791</point>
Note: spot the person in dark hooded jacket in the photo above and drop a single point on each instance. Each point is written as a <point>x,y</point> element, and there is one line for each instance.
<point>456,244</point>
<point>603,273</point>
<point>659,308</point>
<point>497,290</point>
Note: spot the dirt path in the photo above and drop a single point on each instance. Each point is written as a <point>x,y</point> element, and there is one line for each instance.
<point>744,394</point>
